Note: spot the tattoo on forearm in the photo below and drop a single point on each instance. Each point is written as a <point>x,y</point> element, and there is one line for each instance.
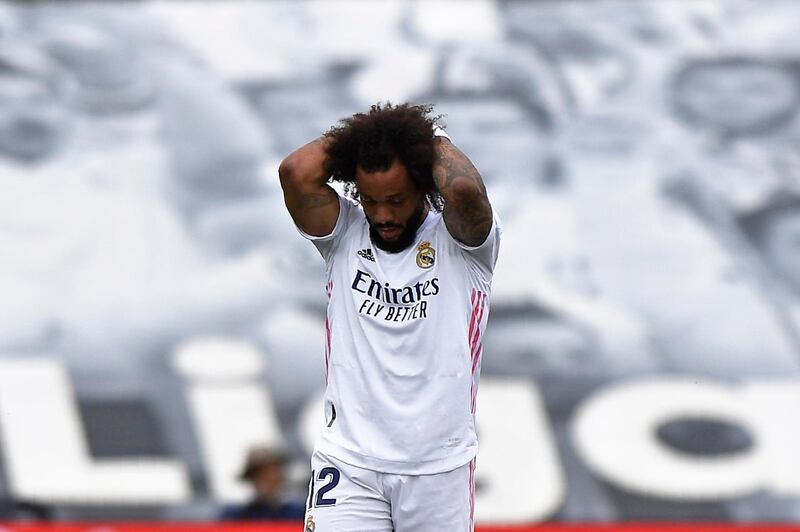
<point>467,211</point>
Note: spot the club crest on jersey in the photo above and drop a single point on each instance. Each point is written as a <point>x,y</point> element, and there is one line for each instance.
<point>426,255</point>
<point>310,526</point>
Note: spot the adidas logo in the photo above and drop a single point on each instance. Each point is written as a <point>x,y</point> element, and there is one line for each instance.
<point>367,254</point>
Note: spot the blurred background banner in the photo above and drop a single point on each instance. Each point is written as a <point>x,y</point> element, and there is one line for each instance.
<point>160,316</point>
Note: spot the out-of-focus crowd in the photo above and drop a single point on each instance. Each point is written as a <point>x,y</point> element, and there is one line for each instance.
<point>642,156</point>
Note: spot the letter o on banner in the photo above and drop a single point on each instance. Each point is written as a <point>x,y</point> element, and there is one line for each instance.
<point>615,431</point>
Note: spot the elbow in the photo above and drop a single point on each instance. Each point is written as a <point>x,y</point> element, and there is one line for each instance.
<point>287,170</point>
<point>298,169</point>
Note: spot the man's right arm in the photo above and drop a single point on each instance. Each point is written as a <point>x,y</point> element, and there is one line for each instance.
<point>312,203</point>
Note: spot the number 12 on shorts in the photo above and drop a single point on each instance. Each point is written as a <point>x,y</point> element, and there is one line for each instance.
<point>330,476</point>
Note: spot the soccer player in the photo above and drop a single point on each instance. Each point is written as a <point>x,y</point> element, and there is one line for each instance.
<point>409,275</point>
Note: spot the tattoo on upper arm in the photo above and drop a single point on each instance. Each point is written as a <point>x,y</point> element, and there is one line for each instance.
<point>316,200</point>
<point>468,215</point>
<point>471,222</point>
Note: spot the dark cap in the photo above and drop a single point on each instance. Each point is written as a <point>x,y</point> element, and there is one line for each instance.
<point>261,456</point>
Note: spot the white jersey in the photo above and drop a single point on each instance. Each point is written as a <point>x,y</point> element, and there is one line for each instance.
<point>403,345</point>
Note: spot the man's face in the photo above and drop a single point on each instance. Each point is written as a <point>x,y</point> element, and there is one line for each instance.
<point>781,247</point>
<point>393,205</point>
<point>268,480</point>
<point>738,98</point>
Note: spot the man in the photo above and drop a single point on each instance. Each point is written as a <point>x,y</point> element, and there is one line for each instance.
<point>409,276</point>
<point>263,468</point>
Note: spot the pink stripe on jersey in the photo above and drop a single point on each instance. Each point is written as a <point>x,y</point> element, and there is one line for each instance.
<point>475,344</point>
<point>474,300</point>
<point>477,299</point>
<point>476,331</point>
<point>476,339</point>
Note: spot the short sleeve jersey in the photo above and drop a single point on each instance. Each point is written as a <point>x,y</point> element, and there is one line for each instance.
<point>403,345</point>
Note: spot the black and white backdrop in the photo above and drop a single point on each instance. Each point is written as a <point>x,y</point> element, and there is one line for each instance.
<point>159,313</point>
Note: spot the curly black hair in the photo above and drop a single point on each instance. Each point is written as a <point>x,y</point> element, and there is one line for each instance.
<point>374,140</point>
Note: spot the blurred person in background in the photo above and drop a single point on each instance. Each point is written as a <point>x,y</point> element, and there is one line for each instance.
<point>102,269</point>
<point>643,252</point>
<point>264,469</point>
<point>740,111</point>
<point>232,211</point>
<point>34,125</point>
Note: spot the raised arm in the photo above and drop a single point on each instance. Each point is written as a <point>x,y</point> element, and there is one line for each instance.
<point>467,212</point>
<point>312,203</point>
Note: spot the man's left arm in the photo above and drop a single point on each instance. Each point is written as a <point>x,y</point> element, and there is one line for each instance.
<point>467,211</point>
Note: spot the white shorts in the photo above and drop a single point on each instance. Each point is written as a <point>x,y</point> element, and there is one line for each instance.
<point>345,498</point>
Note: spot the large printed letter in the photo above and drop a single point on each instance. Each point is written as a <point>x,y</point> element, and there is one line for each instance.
<point>616,433</point>
<point>230,406</point>
<point>47,455</point>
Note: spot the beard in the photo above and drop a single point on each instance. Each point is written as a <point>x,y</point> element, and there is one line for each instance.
<point>406,237</point>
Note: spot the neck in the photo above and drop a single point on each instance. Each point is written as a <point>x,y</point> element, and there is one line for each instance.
<point>423,214</point>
